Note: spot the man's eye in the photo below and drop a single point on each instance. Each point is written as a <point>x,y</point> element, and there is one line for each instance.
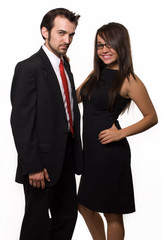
<point>71,35</point>
<point>61,33</point>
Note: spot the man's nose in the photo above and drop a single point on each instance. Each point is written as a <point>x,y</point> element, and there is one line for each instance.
<point>67,39</point>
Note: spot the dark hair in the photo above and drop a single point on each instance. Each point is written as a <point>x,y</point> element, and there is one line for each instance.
<point>48,19</point>
<point>116,35</point>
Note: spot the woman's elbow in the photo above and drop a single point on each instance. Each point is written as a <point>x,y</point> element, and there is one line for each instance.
<point>154,119</point>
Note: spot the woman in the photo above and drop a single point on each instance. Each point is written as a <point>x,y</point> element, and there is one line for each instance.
<point>106,184</point>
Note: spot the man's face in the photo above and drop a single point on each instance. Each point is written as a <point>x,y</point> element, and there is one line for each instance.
<point>60,36</point>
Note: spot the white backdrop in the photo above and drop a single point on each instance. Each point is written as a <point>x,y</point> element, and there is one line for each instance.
<point>20,38</point>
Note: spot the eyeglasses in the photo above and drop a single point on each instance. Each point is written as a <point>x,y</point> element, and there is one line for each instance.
<point>101,46</point>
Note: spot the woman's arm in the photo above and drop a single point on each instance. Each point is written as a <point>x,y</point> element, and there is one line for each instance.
<point>134,89</point>
<point>78,94</point>
<point>79,88</point>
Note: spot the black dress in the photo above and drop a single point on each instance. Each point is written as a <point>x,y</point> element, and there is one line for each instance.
<point>106,184</point>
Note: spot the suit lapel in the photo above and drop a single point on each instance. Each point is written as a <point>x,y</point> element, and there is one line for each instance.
<point>52,81</point>
<point>67,67</point>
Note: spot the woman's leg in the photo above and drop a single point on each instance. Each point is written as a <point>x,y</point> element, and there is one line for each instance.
<point>94,222</point>
<point>115,226</point>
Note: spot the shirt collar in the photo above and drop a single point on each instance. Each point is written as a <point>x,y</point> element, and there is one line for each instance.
<point>55,61</point>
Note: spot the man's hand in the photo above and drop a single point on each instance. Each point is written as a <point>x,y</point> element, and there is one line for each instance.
<point>38,179</point>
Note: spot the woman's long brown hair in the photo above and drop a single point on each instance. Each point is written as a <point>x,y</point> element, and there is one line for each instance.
<point>116,35</point>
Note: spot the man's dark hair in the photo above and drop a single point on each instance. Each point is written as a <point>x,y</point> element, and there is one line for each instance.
<point>48,19</point>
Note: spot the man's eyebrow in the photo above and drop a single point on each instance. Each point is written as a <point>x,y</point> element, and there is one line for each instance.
<point>61,30</point>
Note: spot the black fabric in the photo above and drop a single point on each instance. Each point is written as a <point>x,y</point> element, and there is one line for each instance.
<point>106,184</point>
<point>38,119</point>
<point>59,199</point>
<point>40,131</point>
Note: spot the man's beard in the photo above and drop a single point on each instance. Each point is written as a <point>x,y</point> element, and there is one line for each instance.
<point>58,53</point>
<point>55,51</point>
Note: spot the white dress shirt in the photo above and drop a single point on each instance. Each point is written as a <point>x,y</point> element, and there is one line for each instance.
<point>55,62</point>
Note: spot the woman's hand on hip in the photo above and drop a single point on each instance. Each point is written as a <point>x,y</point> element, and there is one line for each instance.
<point>110,135</point>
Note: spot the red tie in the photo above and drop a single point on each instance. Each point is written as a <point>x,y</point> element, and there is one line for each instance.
<point>66,91</point>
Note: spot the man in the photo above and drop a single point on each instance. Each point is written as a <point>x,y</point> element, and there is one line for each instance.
<point>45,125</point>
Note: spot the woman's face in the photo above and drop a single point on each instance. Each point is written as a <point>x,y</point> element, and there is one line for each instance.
<point>107,54</point>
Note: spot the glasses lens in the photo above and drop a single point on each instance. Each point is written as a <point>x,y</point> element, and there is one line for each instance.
<point>107,45</point>
<point>100,46</point>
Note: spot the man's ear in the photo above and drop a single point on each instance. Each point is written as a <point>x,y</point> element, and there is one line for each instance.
<point>44,32</point>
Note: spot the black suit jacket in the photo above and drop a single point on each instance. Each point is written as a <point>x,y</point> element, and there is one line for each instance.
<point>38,119</point>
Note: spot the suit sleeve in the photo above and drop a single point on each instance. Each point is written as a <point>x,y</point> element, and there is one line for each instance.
<point>23,118</point>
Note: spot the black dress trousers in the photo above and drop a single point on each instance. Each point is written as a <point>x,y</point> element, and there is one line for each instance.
<point>51,213</point>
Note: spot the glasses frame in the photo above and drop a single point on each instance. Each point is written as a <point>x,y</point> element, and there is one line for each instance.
<point>100,46</point>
